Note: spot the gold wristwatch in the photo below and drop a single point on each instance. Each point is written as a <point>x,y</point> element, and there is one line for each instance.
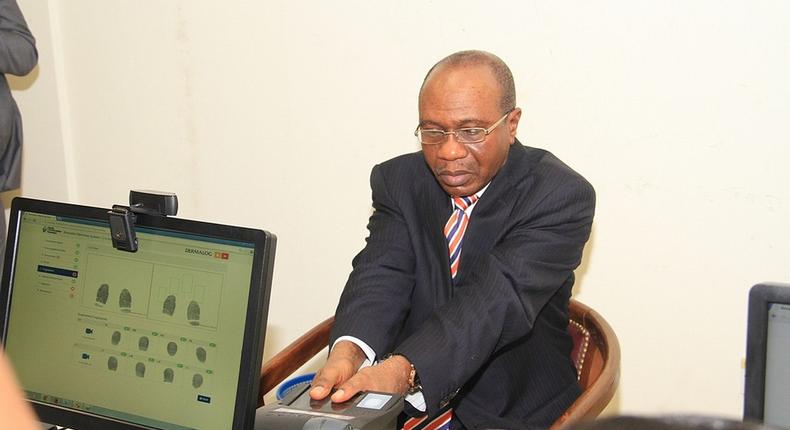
<point>414,378</point>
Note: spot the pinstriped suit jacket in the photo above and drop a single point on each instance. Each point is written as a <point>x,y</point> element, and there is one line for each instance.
<point>494,345</point>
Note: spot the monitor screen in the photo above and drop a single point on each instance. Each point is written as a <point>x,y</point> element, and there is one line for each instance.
<point>168,337</point>
<point>767,388</point>
<point>777,371</point>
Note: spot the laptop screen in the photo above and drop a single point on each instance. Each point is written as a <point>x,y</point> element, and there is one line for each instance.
<point>767,386</point>
<point>168,337</point>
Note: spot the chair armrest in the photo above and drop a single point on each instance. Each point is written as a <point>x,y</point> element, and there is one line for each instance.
<point>287,361</point>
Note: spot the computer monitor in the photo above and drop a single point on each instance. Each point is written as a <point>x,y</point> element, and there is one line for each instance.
<point>767,387</point>
<point>168,337</point>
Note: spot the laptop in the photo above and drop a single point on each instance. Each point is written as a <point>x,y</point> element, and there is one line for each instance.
<point>767,384</point>
<point>168,337</point>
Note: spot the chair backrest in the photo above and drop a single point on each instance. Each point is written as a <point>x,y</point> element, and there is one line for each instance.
<point>596,354</point>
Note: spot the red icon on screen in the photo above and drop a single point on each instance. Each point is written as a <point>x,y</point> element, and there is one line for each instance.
<point>221,255</point>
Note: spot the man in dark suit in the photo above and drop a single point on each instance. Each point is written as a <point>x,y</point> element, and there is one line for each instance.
<point>477,325</point>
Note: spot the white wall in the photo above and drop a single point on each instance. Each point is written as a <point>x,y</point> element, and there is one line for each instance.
<point>271,114</point>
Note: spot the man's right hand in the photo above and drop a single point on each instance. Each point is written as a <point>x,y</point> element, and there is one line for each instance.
<point>343,362</point>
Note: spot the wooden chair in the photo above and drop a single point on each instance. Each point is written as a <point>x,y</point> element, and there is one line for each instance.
<point>596,354</point>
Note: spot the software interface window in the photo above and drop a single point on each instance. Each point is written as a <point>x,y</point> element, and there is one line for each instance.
<point>156,333</point>
<point>777,373</point>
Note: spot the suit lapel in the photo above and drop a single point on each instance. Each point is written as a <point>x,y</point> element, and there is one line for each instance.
<point>490,213</point>
<point>433,209</point>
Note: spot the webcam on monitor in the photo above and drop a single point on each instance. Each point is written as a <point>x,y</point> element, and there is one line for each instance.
<point>122,218</point>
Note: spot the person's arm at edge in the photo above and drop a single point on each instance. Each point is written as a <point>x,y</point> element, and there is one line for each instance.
<point>18,54</point>
<point>15,413</point>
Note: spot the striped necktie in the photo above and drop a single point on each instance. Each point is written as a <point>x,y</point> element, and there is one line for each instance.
<point>455,228</point>
<point>441,422</point>
<point>454,232</point>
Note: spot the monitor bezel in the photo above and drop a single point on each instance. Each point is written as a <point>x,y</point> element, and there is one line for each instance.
<point>760,296</point>
<point>257,304</point>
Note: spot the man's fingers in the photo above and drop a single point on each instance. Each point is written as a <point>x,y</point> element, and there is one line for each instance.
<point>318,392</point>
<point>323,383</point>
<point>346,391</point>
<point>389,376</point>
<point>339,396</point>
<point>342,364</point>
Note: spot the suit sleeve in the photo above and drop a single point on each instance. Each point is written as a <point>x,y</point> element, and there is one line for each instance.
<point>501,298</point>
<point>376,297</point>
<point>18,54</point>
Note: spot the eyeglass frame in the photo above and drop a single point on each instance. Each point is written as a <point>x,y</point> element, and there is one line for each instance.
<point>487,131</point>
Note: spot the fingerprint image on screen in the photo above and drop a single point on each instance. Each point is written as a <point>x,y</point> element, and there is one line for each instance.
<point>102,294</point>
<point>125,300</point>
<point>197,380</point>
<point>142,344</point>
<point>169,306</point>
<point>169,375</point>
<point>193,313</point>
<point>172,348</point>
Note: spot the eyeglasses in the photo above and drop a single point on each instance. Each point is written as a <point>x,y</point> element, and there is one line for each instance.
<point>462,135</point>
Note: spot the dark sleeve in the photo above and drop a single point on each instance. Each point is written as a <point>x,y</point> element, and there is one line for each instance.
<point>18,54</point>
<point>376,297</point>
<point>502,297</point>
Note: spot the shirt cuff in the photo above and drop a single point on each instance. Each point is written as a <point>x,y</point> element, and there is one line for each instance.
<point>417,400</point>
<point>369,353</point>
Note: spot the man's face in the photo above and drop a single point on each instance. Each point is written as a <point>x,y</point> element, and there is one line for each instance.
<point>465,97</point>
